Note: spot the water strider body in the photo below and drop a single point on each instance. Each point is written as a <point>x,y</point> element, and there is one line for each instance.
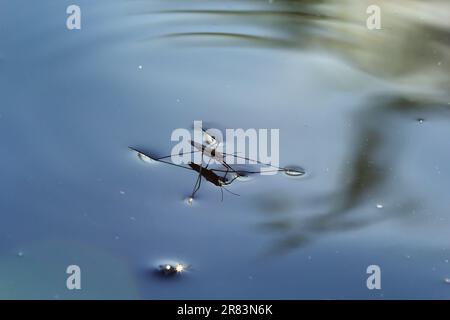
<point>209,175</point>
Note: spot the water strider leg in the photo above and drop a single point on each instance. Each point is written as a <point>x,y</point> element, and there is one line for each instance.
<point>196,185</point>
<point>199,178</point>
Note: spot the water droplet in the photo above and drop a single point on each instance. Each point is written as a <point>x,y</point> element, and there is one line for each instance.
<point>420,120</point>
<point>447,280</point>
<point>167,269</point>
<point>379,206</point>
<point>190,200</point>
<point>122,192</point>
<point>294,171</point>
<point>140,67</point>
<point>170,269</point>
<point>20,254</point>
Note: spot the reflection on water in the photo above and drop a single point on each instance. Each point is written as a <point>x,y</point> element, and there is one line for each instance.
<point>370,168</point>
<point>413,47</point>
<point>365,113</point>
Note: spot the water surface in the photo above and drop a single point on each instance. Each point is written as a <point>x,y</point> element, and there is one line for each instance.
<point>366,113</point>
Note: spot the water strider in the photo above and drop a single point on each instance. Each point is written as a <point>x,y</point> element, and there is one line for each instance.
<point>222,176</point>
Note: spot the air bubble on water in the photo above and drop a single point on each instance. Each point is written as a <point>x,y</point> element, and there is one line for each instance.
<point>20,254</point>
<point>380,206</point>
<point>190,201</point>
<point>294,171</point>
<point>140,67</point>
<point>447,280</point>
<point>122,192</point>
<point>420,120</point>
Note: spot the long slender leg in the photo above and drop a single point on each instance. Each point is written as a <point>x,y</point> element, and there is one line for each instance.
<point>230,191</point>
<point>222,161</point>
<point>206,167</point>
<point>199,179</point>
<point>226,174</point>
<point>196,185</point>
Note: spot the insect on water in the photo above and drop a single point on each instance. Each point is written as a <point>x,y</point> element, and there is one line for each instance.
<point>221,176</point>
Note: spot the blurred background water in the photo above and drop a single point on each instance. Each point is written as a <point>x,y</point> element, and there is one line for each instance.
<point>366,113</point>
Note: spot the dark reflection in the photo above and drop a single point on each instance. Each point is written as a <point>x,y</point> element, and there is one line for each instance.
<point>235,39</point>
<point>369,170</point>
<point>157,274</point>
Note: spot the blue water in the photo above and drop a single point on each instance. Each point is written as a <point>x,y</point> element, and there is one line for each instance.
<point>366,113</point>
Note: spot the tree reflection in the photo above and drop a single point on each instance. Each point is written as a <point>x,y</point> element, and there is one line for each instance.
<point>368,171</point>
<point>412,47</point>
